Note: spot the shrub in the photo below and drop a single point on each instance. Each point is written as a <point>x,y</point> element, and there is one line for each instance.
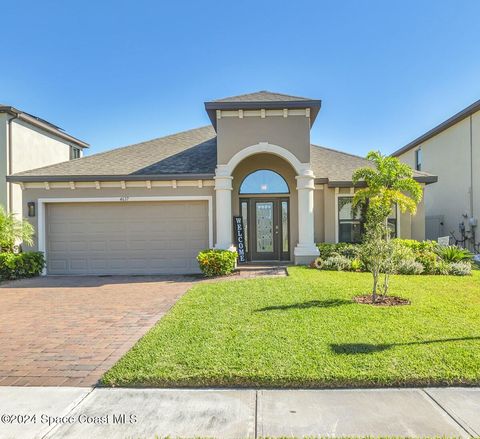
<point>409,266</point>
<point>20,265</point>
<point>428,259</point>
<point>342,248</point>
<point>442,267</point>
<point>338,263</point>
<point>461,268</point>
<point>356,265</point>
<point>452,253</point>
<point>216,262</point>
<point>417,246</point>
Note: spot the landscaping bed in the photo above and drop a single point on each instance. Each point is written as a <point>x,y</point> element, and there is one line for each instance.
<point>305,330</point>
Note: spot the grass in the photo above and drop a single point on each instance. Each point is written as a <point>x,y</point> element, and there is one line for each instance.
<point>305,331</point>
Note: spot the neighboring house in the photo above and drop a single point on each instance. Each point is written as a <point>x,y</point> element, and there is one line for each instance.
<point>28,142</point>
<point>151,207</point>
<point>452,152</point>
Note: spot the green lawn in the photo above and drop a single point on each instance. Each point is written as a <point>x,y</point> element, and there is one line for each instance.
<point>304,331</point>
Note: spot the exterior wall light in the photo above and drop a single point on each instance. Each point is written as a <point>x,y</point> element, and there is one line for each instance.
<point>31,208</point>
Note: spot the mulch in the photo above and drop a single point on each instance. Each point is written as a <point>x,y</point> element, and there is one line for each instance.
<point>381,300</point>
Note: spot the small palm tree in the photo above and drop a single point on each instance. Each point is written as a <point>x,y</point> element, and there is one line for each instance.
<point>388,183</point>
<point>13,230</point>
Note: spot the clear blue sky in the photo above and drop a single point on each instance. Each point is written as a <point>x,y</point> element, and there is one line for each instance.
<point>117,72</point>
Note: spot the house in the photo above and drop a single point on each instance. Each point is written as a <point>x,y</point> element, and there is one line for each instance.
<point>27,142</point>
<point>451,151</point>
<point>151,207</point>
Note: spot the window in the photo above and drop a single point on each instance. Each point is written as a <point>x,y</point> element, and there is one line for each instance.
<point>350,227</point>
<point>264,182</point>
<point>75,153</point>
<point>418,159</point>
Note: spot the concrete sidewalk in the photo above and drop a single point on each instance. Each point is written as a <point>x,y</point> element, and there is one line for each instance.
<point>68,412</point>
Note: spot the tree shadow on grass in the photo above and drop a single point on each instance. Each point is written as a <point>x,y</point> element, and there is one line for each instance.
<point>309,304</point>
<point>366,348</point>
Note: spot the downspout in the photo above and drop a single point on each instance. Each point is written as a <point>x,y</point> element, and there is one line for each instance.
<point>471,167</point>
<point>10,162</point>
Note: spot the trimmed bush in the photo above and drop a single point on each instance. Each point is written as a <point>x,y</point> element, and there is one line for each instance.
<point>461,268</point>
<point>417,246</point>
<point>20,265</point>
<point>342,248</point>
<point>409,266</point>
<point>337,263</point>
<point>217,262</point>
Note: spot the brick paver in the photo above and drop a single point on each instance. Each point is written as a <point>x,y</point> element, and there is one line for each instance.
<point>67,331</point>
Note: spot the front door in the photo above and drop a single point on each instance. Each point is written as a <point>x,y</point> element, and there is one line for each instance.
<point>268,229</point>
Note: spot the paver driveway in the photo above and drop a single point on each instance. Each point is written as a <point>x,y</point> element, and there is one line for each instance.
<point>67,331</point>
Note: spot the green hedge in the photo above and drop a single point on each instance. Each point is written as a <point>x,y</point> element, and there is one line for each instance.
<point>20,265</point>
<point>410,257</point>
<point>216,262</point>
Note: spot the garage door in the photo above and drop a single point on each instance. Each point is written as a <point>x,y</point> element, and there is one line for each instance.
<point>125,238</point>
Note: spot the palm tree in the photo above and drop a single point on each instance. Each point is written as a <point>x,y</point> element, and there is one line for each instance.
<point>13,230</point>
<point>388,183</point>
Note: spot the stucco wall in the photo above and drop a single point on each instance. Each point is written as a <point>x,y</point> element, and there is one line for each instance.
<point>292,133</point>
<point>33,148</point>
<point>448,155</point>
<point>35,194</point>
<point>273,163</point>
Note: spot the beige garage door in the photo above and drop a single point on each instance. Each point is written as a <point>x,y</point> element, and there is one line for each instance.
<point>126,238</point>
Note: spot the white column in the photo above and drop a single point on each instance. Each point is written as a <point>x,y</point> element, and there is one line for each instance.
<point>306,250</point>
<point>223,210</point>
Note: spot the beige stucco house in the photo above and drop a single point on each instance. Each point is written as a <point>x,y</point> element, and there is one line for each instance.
<point>151,207</point>
<point>28,142</point>
<point>451,151</point>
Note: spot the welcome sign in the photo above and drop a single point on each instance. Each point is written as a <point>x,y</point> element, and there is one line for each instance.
<point>240,238</point>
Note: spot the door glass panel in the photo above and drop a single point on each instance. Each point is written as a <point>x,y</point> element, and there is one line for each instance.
<point>244,213</point>
<point>284,226</point>
<point>264,214</point>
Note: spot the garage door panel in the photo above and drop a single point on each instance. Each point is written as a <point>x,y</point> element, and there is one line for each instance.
<point>126,238</point>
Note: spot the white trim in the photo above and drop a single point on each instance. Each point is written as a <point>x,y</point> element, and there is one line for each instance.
<point>41,212</point>
<point>350,195</point>
<point>115,184</point>
<point>264,112</point>
<point>264,147</point>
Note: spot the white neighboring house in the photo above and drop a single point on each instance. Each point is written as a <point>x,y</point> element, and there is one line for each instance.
<point>451,151</point>
<point>27,142</point>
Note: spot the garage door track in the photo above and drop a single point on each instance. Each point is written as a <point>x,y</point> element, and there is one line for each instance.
<point>68,331</point>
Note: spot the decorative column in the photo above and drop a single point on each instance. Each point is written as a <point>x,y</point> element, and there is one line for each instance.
<point>306,250</point>
<point>223,209</point>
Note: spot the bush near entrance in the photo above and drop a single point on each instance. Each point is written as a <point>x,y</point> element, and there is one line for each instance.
<point>216,262</point>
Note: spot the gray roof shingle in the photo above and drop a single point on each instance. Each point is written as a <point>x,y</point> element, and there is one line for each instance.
<point>186,154</point>
<point>262,96</point>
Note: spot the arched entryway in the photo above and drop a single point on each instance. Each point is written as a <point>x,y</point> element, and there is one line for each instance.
<point>264,204</point>
<point>299,201</point>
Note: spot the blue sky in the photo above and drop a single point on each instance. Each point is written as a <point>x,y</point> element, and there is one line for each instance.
<point>116,72</point>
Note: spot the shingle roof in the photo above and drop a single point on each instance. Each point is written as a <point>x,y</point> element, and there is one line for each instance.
<point>337,167</point>
<point>41,123</point>
<point>188,154</point>
<point>263,96</point>
<point>262,100</point>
